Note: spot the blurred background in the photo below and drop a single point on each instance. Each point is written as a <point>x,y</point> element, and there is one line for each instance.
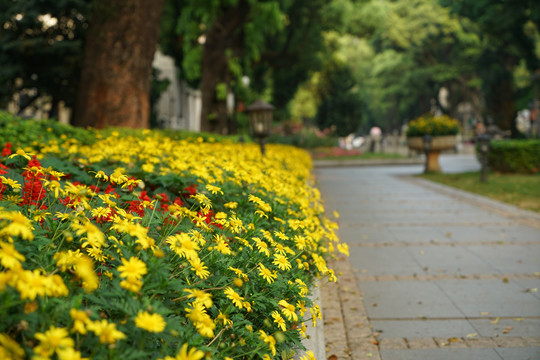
<point>334,70</point>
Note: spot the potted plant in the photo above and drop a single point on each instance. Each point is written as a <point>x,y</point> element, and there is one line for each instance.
<point>432,134</point>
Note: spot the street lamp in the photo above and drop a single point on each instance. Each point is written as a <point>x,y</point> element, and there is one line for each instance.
<point>427,142</point>
<point>260,120</point>
<point>483,145</point>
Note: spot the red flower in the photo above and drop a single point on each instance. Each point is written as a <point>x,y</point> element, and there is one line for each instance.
<point>7,150</point>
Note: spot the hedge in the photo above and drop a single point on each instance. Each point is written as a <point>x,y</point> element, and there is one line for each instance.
<point>514,156</point>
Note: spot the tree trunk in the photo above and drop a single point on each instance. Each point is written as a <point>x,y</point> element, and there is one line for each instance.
<point>502,107</point>
<point>117,66</point>
<point>224,35</point>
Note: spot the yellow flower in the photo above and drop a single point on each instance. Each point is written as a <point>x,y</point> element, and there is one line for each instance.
<point>19,226</point>
<point>232,295</point>
<point>309,356</point>
<point>10,182</point>
<point>53,340</point>
<point>31,284</point>
<point>107,332</point>
<point>183,245</point>
<point>289,310</point>
<point>133,285</point>
<point>150,322</point>
<point>200,269</point>
<point>222,246</point>
<point>268,339</point>
<point>70,354</point>
<point>21,152</point>
<point>132,269</point>
<point>80,319</point>
<point>185,354</point>
<point>262,246</point>
<point>9,257</point>
<point>94,236</point>
<point>281,262</point>
<point>239,272</point>
<point>279,320</point>
<point>10,349</point>
<point>267,274</point>
<point>224,319</point>
<point>201,297</point>
<point>214,189</point>
<point>231,205</point>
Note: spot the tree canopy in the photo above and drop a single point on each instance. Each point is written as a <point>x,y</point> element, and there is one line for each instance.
<point>350,64</point>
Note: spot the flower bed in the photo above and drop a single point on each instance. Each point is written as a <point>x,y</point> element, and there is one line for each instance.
<point>147,247</point>
<point>442,125</point>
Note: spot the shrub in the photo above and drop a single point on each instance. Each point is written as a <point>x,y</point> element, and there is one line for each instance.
<point>514,156</point>
<point>145,247</point>
<point>32,133</point>
<point>305,138</point>
<point>433,125</point>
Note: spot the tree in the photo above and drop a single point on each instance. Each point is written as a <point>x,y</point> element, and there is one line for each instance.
<point>116,71</point>
<point>274,43</point>
<point>41,49</point>
<point>504,30</point>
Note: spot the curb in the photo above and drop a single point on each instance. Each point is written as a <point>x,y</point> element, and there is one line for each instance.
<point>366,162</point>
<point>314,340</point>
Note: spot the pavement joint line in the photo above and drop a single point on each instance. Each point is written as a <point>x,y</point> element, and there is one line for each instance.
<point>434,224</point>
<point>489,317</point>
<point>485,342</point>
<point>508,211</point>
<point>442,243</point>
<point>504,277</point>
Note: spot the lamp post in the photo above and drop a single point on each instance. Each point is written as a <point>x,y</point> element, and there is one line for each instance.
<point>260,120</point>
<point>483,144</point>
<point>427,143</point>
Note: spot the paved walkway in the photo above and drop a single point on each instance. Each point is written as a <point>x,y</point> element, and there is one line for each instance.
<point>434,273</point>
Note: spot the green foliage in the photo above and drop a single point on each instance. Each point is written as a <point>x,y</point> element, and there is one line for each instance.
<point>30,133</point>
<point>514,156</point>
<point>41,45</point>
<point>305,138</point>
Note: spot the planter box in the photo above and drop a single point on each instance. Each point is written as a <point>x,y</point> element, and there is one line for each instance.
<point>439,143</point>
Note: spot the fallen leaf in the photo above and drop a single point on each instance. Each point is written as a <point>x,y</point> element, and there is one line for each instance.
<point>484,313</point>
<point>332,357</point>
<point>374,342</point>
<point>518,319</point>
<point>532,290</point>
<point>369,355</point>
<point>507,330</point>
<point>472,335</point>
<point>448,234</point>
<point>495,321</point>
<point>453,340</point>
<point>505,280</point>
<point>374,305</point>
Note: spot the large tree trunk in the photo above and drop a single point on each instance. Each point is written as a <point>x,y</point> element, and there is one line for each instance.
<point>502,107</point>
<point>224,35</point>
<point>117,67</point>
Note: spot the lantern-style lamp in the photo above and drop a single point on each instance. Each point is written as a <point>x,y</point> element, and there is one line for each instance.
<point>260,120</point>
<point>483,141</point>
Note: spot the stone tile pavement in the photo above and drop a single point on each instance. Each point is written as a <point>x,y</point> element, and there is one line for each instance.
<point>433,273</point>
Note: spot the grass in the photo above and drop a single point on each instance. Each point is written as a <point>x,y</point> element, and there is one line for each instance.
<point>520,190</point>
<point>342,154</point>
